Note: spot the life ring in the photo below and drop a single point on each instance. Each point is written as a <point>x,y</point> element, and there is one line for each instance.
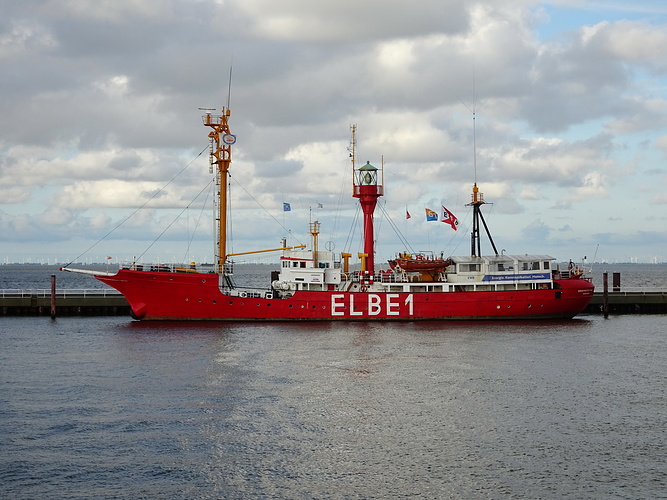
<point>419,256</point>
<point>364,288</point>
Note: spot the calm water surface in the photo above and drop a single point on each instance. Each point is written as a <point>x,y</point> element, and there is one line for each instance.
<point>109,408</point>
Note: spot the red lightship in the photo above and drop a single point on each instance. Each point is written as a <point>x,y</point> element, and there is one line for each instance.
<point>313,284</point>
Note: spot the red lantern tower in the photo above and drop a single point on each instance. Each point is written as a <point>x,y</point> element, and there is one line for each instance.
<point>368,189</point>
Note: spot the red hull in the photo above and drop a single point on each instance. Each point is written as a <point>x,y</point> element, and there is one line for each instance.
<point>192,296</point>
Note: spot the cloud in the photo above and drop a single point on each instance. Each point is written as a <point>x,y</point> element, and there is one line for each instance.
<point>594,185</point>
<point>634,42</point>
<point>100,98</point>
<point>304,20</point>
<point>536,230</point>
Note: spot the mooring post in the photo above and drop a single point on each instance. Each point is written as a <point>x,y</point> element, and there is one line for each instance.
<point>53,296</point>
<point>605,294</point>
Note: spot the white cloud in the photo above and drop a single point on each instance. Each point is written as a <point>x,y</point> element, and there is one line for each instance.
<point>635,43</point>
<point>100,101</point>
<point>24,37</point>
<point>593,185</point>
<point>342,20</point>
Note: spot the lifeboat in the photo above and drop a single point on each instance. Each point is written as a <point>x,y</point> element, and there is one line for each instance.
<point>424,263</point>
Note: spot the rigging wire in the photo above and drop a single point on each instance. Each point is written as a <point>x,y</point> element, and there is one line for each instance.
<point>201,214</point>
<point>136,210</point>
<point>338,215</point>
<point>353,229</point>
<point>174,221</point>
<point>262,207</point>
<point>230,219</point>
<point>394,226</point>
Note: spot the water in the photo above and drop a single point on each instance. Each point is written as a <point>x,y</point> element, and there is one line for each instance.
<point>108,408</point>
<point>33,276</point>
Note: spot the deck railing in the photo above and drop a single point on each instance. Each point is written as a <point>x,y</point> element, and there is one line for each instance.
<point>61,292</point>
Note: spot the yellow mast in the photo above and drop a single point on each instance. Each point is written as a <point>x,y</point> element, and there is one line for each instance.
<point>314,231</point>
<point>221,141</point>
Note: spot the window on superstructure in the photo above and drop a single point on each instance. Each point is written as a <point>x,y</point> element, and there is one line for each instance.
<point>547,265</point>
<point>303,264</point>
<point>535,266</point>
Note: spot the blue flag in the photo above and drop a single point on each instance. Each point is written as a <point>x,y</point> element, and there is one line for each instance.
<point>431,215</point>
<point>287,207</point>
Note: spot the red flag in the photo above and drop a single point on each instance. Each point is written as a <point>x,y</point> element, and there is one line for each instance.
<point>407,214</point>
<point>449,218</point>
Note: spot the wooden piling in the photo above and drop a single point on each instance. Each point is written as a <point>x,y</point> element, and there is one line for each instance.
<point>53,296</point>
<point>605,294</point>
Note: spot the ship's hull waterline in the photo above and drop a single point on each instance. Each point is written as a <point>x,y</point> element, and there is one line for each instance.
<point>193,296</point>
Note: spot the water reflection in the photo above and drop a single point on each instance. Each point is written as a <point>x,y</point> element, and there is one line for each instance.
<point>105,407</point>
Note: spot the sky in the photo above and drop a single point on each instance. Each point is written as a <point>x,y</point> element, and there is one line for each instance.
<point>104,153</point>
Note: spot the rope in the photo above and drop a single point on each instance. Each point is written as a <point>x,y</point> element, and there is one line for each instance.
<point>137,210</point>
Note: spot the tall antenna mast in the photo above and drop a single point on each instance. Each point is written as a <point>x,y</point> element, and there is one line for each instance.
<point>229,87</point>
<point>221,140</point>
<point>353,144</point>
<point>477,198</point>
<point>474,128</point>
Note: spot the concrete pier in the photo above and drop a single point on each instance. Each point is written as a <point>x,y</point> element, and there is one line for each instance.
<point>68,303</point>
<point>629,302</point>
